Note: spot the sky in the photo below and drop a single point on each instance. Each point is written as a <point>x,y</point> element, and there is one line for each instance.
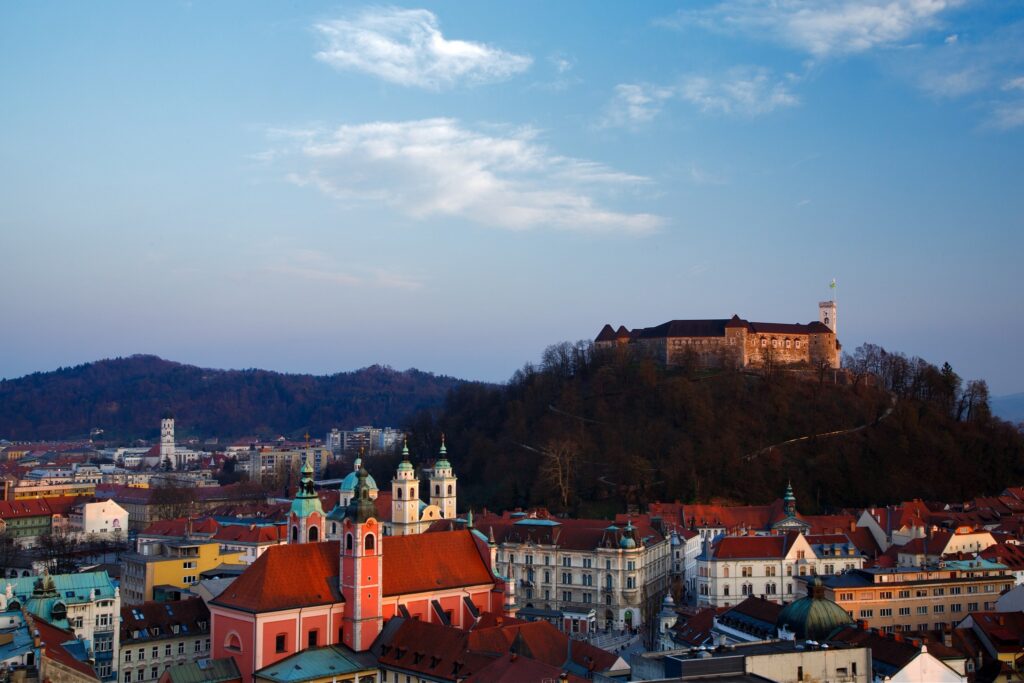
<point>311,187</point>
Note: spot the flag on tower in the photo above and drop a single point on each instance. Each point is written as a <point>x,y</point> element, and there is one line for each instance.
<point>832,285</point>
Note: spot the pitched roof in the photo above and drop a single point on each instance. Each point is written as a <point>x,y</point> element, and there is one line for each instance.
<point>152,620</point>
<point>606,334</point>
<point>176,528</point>
<point>20,509</point>
<point>287,576</point>
<point>256,534</point>
<point>316,663</point>
<point>204,671</point>
<point>742,547</point>
<point>54,640</point>
<point>695,630</point>
<point>1002,629</point>
<point>573,534</point>
<point>515,669</point>
<point>426,562</point>
<point>684,328</point>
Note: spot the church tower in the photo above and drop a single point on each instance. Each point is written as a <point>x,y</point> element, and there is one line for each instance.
<point>167,438</point>
<point>789,501</point>
<point>306,517</point>
<point>442,484</point>
<point>361,570</point>
<point>405,497</point>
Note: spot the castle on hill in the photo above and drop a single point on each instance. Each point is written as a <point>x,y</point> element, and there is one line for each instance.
<point>734,342</point>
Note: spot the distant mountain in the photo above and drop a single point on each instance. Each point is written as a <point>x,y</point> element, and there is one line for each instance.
<point>125,397</point>
<point>1009,408</point>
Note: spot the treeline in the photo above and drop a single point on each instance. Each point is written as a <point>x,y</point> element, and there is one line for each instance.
<point>589,432</point>
<point>125,397</point>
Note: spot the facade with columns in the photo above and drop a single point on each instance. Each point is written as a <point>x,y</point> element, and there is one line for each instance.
<point>312,593</point>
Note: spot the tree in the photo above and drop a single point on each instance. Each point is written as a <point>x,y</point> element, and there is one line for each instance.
<point>9,552</point>
<point>561,457</point>
<point>172,501</point>
<point>58,549</point>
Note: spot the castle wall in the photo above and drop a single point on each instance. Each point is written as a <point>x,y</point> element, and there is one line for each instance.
<point>782,349</point>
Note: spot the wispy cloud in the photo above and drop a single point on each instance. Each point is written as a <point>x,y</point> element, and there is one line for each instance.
<point>742,91</point>
<point>822,28</point>
<point>308,264</point>
<point>406,46</point>
<point>438,167</point>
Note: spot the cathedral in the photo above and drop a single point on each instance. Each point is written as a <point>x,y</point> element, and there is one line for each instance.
<point>340,577</point>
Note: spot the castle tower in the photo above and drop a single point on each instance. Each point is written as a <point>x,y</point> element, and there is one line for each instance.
<point>306,517</point>
<point>405,497</point>
<point>361,570</point>
<point>167,438</point>
<point>442,484</point>
<point>827,314</point>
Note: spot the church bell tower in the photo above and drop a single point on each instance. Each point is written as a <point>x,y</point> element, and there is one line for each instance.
<point>361,570</point>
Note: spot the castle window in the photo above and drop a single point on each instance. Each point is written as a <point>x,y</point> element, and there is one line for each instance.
<point>764,342</point>
<point>368,543</point>
<point>788,343</point>
<point>449,489</point>
<point>798,343</point>
<point>775,343</point>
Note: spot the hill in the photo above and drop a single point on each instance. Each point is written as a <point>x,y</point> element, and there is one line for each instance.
<point>126,397</point>
<point>588,433</point>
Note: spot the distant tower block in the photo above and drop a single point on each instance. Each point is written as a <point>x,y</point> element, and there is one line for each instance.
<point>167,437</point>
<point>827,314</point>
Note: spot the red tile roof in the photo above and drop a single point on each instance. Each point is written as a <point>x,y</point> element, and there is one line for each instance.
<point>515,669</point>
<point>742,547</point>
<point>175,528</point>
<point>1011,555</point>
<point>572,534</point>
<point>428,562</point>
<point>1002,629</point>
<point>287,576</point>
<point>155,619</point>
<point>19,509</point>
<point>53,639</point>
<point>258,535</point>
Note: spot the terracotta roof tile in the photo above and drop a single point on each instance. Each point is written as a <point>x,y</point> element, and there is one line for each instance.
<point>428,562</point>
<point>287,576</point>
<point>53,638</point>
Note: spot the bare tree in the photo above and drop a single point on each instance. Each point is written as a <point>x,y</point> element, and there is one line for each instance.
<point>561,457</point>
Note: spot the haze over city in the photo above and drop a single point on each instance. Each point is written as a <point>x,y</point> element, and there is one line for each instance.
<point>319,187</point>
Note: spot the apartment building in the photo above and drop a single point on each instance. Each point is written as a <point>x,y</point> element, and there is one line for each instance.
<point>170,567</point>
<point>919,599</point>
<point>158,635</point>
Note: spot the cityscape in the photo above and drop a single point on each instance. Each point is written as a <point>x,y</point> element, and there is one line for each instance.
<point>708,313</point>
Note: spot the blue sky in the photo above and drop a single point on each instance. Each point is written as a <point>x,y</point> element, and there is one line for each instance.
<point>318,187</point>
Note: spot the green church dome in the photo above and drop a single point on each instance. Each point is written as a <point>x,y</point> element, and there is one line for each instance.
<point>813,617</point>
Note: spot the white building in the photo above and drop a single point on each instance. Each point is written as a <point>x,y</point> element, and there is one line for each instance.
<point>104,519</point>
<point>735,567</point>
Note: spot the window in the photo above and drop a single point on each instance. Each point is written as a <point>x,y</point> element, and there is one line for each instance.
<point>867,613</point>
<point>747,571</point>
<point>181,648</point>
<point>547,576</point>
<point>167,647</point>
<point>127,655</point>
<point>587,597</point>
<point>311,639</point>
<point>939,609</point>
<point>921,593</point>
<point>923,609</point>
<point>769,571</point>
<point>189,579</point>
<point>972,607</point>
<point>127,676</point>
<point>956,607</point>
<point>567,578</point>
<point>369,543</point>
<point>845,597</point>
<point>972,589</point>
<point>885,612</point>
<point>566,561</point>
<point>528,559</point>
<point>156,652</point>
<point>630,582</point>
<point>885,595</point>
<point>954,590</point>
<point>142,654</point>
<point>904,611</point>
<point>938,591</point>
<point>280,643</point>
<point>904,594</point>
<point>154,672</point>
<point>567,596</point>
<point>188,564</point>
<point>725,591</point>
<point>587,563</point>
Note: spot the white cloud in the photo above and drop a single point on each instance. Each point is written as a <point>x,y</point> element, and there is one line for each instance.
<point>315,266</point>
<point>1014,84</point>
<point>742,91</point>
<point>407,47</point>
<point>1007,115</point>
<point>951,39</point>
<point>747,91</point>
<point>439,168</point>
<point>636,103</point>
<point>822,28</point>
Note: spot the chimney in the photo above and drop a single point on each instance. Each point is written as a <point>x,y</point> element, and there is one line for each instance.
<point>947,637</point>
<point>1002,620</point>
<point>897,637</point>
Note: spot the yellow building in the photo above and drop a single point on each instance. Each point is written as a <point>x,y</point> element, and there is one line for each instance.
<point>173,565</point>
<point>33,491</point>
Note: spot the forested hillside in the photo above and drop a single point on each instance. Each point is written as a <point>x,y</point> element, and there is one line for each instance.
<point>125,397</point>
<point>588,433</point>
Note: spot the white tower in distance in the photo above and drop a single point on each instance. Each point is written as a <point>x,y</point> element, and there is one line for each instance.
<point>442,484</point>
<point>405,497</point>
<point>827,310</point>
<point>167,437</point>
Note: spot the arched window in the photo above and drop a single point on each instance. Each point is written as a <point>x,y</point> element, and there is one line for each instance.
<point>314,534</point>
<point>789,343</point>
<point>797,344</point>
<point>437,490</point>
<point>775,343</point>
<point>399,493</point>
<point>334,528</point>
<point>449,489</point>
<point>764,342</point>
<point>726,591</point>
<point>368,543</point>
<point>233,642</point>
<point>348,542</point>
<point>295,534</point>
<point>725,571</point>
